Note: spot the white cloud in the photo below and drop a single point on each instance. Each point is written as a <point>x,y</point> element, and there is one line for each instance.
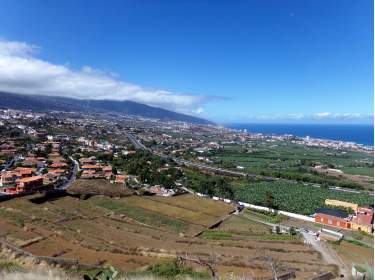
<point>199,110</point>
<point>324,116</point>
<point>22,72</point>
<point>296,116</point>
<point>341,116</point>
<point>13,48</point>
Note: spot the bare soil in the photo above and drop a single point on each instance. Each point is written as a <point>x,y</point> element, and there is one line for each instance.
<point>133,232</point>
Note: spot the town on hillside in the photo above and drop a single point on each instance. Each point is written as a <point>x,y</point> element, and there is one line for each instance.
<point>187,191</point>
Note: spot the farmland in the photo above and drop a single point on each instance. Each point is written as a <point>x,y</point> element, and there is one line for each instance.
<point>351,253</point>
<point>288,196</point>
<point>296,198</point>
<point>291,161</point>
<point>135,232</point>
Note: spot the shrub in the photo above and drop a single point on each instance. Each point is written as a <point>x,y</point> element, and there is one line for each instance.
<point>171,270</point>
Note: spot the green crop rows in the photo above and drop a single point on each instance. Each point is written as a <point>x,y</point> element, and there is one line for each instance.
<point>296,198</point>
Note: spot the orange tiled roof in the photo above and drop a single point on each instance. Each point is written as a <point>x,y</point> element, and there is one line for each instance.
<point>90,159</point>
<point>24,170</point>
<point>90,166</point>
<point>30,159</point>
<point>58,164</point>
<point>8,174</point>
<point>56,171</point>
<point>29,179</point>
<point>88,172</point>
<point>107,168</point>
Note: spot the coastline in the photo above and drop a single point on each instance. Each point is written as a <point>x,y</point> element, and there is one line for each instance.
<point>350,134</point>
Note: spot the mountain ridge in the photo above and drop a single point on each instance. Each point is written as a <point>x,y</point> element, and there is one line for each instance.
<point>44,103</point>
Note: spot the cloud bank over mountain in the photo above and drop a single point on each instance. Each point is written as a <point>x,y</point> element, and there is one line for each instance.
<point>21,71</point>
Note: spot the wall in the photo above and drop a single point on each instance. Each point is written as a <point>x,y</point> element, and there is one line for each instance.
<point>252,206</point>
<point>289,214</point>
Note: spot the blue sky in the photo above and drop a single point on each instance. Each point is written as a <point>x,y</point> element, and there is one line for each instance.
<point>242,61</point>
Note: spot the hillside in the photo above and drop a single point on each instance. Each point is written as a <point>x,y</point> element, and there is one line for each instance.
<point>39,103</point>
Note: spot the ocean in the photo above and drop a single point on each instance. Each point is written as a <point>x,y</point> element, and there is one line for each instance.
<point>358,133</point>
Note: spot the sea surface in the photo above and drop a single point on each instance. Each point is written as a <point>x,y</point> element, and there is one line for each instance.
<point>358,133</point>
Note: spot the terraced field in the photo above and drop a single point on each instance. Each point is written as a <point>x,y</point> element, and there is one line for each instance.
<point>134,232</point>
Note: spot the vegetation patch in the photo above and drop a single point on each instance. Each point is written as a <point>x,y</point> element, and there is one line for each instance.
<point>149,168</point>
<point>296,198</point>
<point>280,237</point>
<point>9,266</point>
<point>268,217</point>
<point>295,162</point>
<point>281,195</point>
<point>358,243</point>
<point>173,270</point>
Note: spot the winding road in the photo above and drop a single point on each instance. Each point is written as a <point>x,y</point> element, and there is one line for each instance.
<point>72,177</point>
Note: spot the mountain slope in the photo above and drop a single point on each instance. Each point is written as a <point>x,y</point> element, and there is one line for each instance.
<point>40,103</point>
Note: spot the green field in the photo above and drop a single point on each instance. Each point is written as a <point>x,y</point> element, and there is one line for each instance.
<point>296,198</point>
<point>288,196</point>
<point>291,161</point>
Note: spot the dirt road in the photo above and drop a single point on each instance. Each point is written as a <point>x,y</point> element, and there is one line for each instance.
<point>328,254</point>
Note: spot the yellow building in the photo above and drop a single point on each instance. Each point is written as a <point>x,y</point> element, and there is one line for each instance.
<point>340,203</point>
<point>362,227</point>
<point>363,220</point>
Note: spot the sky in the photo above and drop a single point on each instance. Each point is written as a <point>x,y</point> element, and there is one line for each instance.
<point>227,61</point>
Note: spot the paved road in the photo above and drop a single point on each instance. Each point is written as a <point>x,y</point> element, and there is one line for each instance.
<point>73,176</point>
<point>211,168</point>
<point>11,163</point>
<point>138,145</point>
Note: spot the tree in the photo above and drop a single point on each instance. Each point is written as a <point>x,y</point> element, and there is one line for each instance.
<point>277,230</point>
<point>114,170</point>
<point>48,148</point>
<point>270,200</point>
<point>292,231</point>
